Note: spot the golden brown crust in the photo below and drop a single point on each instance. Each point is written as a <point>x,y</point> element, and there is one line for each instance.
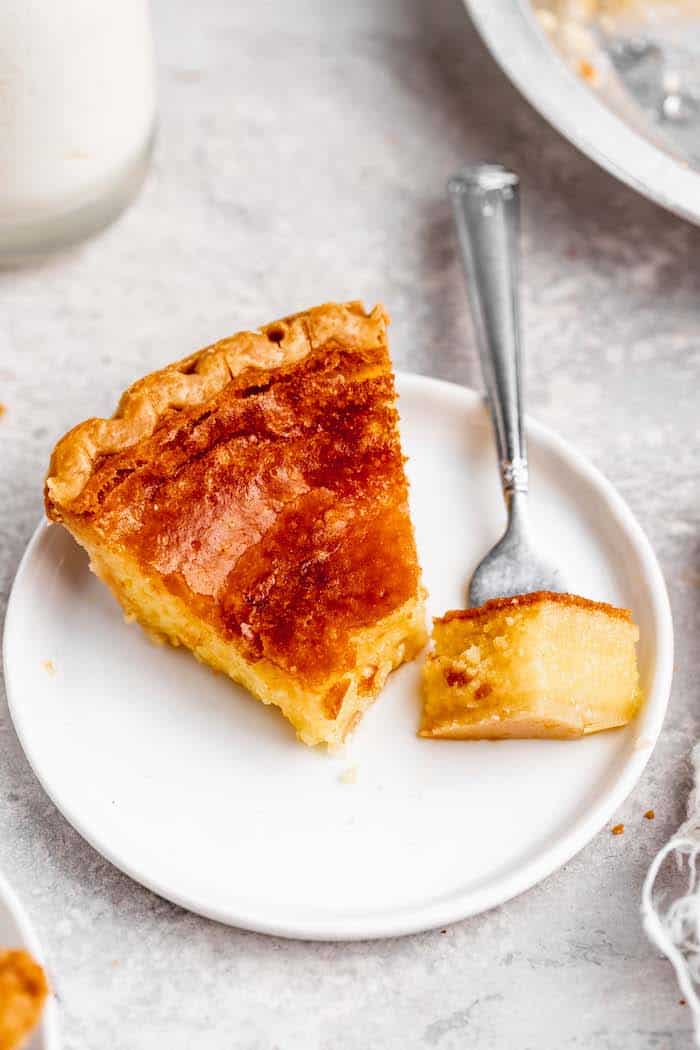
<point>23,990</point>
<point>276,506</point>
<point>537,597</point>
<point>198,378</point>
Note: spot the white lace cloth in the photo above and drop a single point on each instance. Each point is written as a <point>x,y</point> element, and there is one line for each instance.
<point>674,924</point>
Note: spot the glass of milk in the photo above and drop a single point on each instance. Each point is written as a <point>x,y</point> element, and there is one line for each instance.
<point>77,109</point>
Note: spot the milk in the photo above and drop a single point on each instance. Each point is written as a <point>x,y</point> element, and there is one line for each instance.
<point>77,105</point>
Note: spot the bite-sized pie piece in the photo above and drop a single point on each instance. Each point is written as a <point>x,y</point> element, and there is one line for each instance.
<point>23,991</point>
<point>537,665</point>
<point>250,503</point>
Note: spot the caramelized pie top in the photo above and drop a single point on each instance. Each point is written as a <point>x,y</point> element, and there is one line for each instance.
<point>262,480</point>
<point>534,598</point>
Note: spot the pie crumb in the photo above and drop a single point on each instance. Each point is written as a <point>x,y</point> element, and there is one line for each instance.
<point>619,829</point>
<point>3,409</point>
<point>49,666</point>
<point>587,71</point>
<point>650,814</point>
<point>349,775</point>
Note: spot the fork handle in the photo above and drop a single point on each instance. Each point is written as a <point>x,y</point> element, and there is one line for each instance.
<point>486,205</point>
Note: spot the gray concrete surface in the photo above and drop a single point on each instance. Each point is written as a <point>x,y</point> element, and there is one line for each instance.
<point>302,153</point>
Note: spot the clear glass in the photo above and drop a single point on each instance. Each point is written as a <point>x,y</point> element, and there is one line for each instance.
<point>77,116</point>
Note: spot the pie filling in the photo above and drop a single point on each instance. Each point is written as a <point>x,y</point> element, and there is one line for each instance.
<point>538,665</point>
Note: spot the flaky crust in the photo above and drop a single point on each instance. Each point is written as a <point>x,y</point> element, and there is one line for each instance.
<point>199,377</point>
<point>536,598</point>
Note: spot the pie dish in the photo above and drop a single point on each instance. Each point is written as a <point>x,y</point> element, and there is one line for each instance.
<point>23,991</point>
<point>250,503</point>
<point>536,665</point>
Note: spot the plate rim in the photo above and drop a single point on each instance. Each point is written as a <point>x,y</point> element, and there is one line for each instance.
<point>48,1026</point>
<point>518,45</point>
<point>458,905</point>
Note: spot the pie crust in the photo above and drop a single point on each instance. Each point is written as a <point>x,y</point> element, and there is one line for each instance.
<point>23,991</point>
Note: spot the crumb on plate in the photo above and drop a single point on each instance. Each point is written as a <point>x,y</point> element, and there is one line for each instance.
<point>349,775</point>
<point>587,71</point>
<point>49,666</point>
<point>650,814</point>
<point>619,829</point>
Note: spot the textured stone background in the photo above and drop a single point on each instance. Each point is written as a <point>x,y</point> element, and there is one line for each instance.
<point>302,154</point>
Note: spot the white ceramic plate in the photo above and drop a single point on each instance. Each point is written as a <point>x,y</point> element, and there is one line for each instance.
<point>203,795</point>
<point>16,932</point>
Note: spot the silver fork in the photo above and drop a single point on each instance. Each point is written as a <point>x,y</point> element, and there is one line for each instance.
<point>486,206</point>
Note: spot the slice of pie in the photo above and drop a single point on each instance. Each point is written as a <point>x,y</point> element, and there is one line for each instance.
<point>537,665</point>
<point>250,503</point>
<point>23,991</point>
